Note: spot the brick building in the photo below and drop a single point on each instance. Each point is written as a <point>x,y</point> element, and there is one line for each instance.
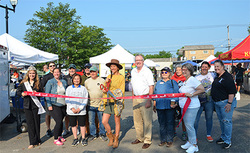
<point>200,52</point>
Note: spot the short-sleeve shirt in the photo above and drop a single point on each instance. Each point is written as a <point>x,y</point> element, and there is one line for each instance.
<point>206,81</point>
<point>222,87</point>
<point>93,87</point>
<point>239,73</point>
<point>141,80</point>
<point>189,86</point>
<point>163,87</point>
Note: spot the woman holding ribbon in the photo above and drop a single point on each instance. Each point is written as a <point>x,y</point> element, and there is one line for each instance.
<point>57,106</point>
<point>165,106</point>
<point>112,106</point>
<point>32,106</point>
<point>192,88</point>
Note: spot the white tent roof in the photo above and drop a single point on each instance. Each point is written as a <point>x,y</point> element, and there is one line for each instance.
<point>23,53</point>
<point>209,58</point>
<point>150,63</point>
<point>117,52</point>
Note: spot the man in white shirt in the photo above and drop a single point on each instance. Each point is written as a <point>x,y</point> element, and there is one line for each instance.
<point>142,84</point>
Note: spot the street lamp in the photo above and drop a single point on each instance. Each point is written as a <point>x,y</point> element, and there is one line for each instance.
<point>13,3</point>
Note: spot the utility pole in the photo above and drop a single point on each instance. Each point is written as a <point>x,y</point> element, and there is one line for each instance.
<point>228,37</point>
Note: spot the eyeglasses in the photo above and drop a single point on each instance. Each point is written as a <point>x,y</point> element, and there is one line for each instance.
<point>164,72</point>
<point>52,65</point>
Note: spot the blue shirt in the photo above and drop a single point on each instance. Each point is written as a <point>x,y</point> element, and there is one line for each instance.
<point>163,87</point>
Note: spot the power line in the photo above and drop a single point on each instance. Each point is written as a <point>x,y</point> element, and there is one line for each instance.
<point>167,28</point>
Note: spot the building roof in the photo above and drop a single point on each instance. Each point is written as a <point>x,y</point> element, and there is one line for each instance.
<point>198,47</point>
<point>163,59</point>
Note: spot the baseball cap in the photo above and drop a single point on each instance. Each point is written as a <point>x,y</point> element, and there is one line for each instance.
<point>72,66</point>
<point>166,69</point>
<point>93,68</point>
<point>87,65</point>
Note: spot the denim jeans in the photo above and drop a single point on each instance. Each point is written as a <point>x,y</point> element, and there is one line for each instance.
<point>208,107</point>
<point>166,121</point>
<point>189,119</point>
<point>92,111</point>
<point>225,119</point>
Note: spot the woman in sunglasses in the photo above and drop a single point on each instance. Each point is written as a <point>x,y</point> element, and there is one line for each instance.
<point>165,107</point>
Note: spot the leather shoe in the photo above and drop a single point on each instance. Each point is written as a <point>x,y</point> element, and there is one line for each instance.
<point>169,144</point>
<point>136,141</point>
<point>162,144</point>
<point>145,145</point>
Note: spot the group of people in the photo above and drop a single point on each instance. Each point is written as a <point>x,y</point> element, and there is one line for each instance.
<point>206,91</point>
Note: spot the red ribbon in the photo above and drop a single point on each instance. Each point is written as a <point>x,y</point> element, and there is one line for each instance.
<point>154,96</point>
<point>185,109</point>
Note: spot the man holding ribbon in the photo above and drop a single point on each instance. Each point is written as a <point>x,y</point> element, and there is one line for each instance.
<point>142,84</point>
<point>32,106</point>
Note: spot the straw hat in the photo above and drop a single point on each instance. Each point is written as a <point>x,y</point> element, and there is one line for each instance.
<point>114,61</point>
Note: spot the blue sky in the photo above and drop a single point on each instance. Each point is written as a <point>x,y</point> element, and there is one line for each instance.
<point>149,26</point>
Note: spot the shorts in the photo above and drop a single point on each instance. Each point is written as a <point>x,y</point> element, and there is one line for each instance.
<point>73,119</point>
<point>239,82</point>
<point>109,108</point>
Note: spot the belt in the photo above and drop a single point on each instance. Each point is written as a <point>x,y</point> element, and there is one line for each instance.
<point>141,95</point>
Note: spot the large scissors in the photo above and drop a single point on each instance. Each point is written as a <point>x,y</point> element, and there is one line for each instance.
<point>102,87</point>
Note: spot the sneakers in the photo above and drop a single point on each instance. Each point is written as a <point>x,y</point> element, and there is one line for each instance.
<point>210,139</point>
<point>84,142</point>
<point>220,141</point>
<point>49,133</point>
<point>186,145</point>
<point>61,139</point>
<point>226,146</point>
<point>91,138</point>
<point>58,142</point>
<point>103,137</point>
<point>75,143</point>
<point>184,136</point>
<point>65,132</point>
<point>192,149</point>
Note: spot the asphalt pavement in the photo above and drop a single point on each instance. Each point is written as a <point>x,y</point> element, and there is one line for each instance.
<point>12,141</point>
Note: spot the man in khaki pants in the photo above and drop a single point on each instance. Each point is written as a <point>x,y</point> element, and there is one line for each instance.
<point>142,84</point>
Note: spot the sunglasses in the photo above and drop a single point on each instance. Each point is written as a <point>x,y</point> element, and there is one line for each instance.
<point>52,65</point>
<point>164,72</point>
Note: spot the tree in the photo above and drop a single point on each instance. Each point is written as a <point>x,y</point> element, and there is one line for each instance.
<point>249,29</point>
<point>57,29</point>
<point>217,54</point>
<point>162,54</point>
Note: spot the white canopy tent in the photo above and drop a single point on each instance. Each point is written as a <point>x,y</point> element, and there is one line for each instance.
<point>150,63</point>
<point>116,52</point>
<point>23,53</point>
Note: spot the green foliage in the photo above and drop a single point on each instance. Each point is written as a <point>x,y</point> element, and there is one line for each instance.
<point>248,30</point>
<point>57,29</point>
<point>162,54</point>
<point>217,54</point>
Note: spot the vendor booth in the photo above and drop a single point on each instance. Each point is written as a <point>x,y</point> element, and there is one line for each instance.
<point>240,52</point>
<point>118,53</point>
<point>16,51</point>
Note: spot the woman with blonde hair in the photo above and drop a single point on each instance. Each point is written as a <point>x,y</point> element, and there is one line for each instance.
<point>32,106</point>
